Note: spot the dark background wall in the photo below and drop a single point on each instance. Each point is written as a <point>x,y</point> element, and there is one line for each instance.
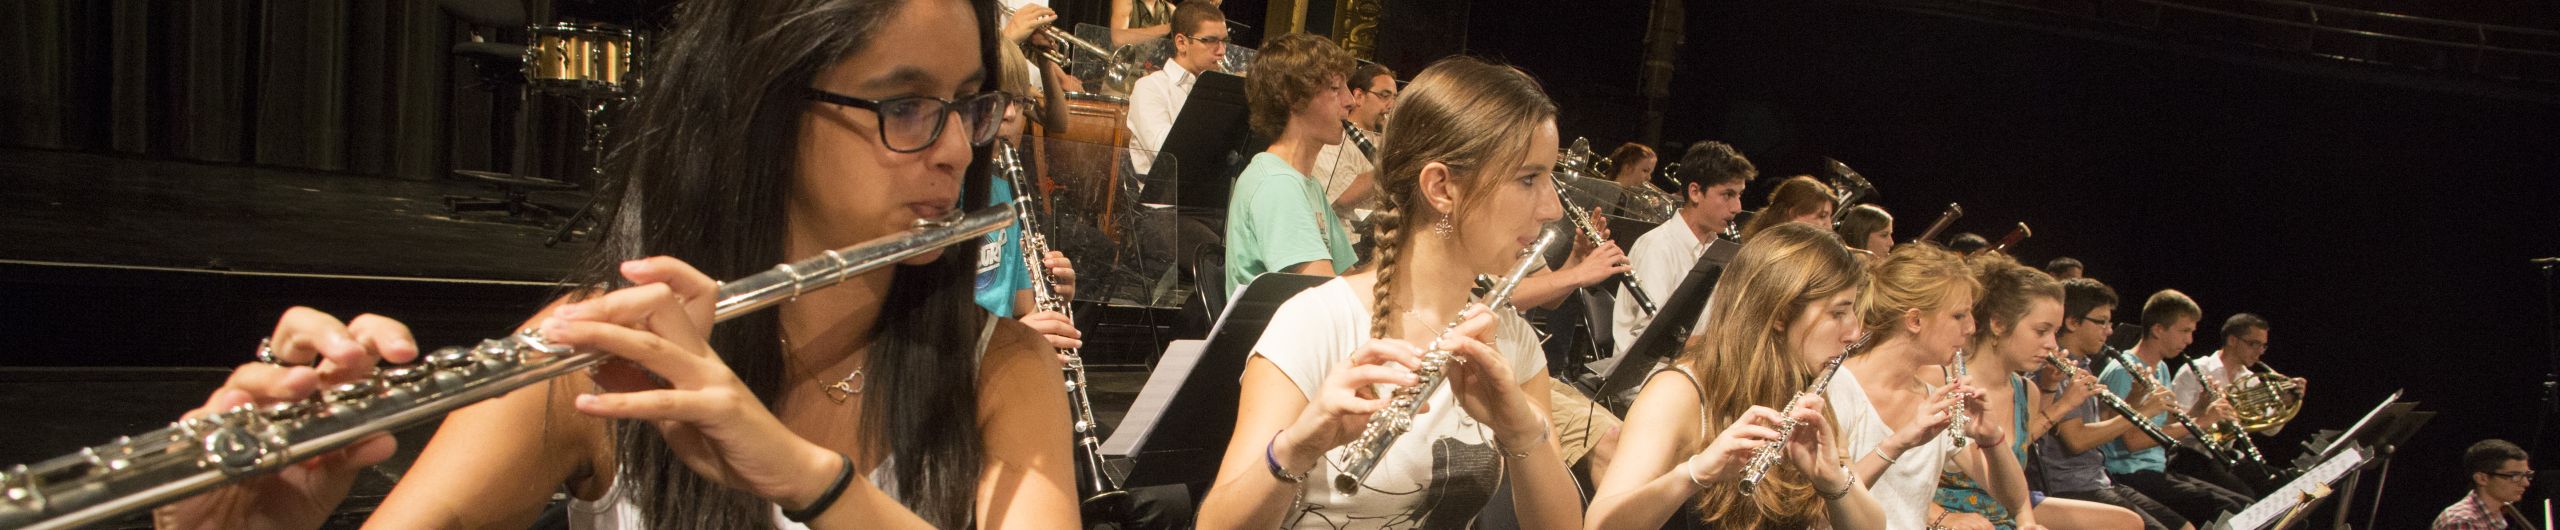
<point>2381,218</point>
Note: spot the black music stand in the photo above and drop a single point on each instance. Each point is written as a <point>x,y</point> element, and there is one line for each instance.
<point>1206,135</point>
<point>2370,441</point>
<point>1197,400</point>
<point>1671,325</point>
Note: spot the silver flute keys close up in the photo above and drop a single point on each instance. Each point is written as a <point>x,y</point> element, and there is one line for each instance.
<point>191,456</point>
<point>1767,454</point>
<point>1958,421</point>
<point>1363,454</point>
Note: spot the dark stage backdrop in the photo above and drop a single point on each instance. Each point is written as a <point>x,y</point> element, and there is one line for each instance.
<point>2381,218</point>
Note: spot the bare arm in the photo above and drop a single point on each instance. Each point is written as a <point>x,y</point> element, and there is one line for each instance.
<point>1245,494</point>
<point>1543,491</point>
<point>1645,484</point>
<point>1027,478</point>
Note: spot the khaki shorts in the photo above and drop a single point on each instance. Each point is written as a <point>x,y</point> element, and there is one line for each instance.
<point>1578,422</point>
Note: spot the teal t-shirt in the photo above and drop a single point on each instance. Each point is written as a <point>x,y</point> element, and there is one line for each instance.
<point>1000,268</point>
<point>1276,220</point>
<point>2124,461</point>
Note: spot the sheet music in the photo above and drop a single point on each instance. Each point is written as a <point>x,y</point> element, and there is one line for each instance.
<point>1171,371</point>
<point>2276,504</point>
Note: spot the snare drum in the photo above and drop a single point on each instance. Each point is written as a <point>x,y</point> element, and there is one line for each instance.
<point>583,59</point>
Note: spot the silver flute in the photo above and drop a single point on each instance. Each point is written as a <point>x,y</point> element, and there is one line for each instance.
<point>1958,420</point>
<point>1363,454</point>
<point>143,471</point>
<point>1102,495</point>
<point>1767,454</point>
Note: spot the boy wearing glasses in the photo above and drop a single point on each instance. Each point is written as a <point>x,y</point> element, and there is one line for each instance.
<point>2068,464</point>
<point>2500,475</point>
<point>2244,343</point>
<point>1199,44</point>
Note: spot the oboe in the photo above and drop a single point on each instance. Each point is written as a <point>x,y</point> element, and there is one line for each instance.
<point>1590,232</point>
<point>2070,372</point>
<point>1767,454</point>
<point>1363,454</point>
<point>1103,497</point>
<point>188,457</point>
<point>1945,218</point>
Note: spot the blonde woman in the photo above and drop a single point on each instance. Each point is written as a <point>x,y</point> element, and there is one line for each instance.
<point>1918,308</point>
<point>1463,188</point>
<point>1787,306</point>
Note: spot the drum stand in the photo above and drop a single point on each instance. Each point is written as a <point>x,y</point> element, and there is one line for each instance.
<point>595,171</point>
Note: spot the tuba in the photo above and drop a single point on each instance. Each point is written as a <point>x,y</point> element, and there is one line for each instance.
<point>1847,187</point>
<point>2268,404</point>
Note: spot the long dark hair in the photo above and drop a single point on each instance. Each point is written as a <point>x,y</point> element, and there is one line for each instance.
<point>703,163</point>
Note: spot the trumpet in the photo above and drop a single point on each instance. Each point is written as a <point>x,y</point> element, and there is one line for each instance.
<point>1103,497</point>
<point>1582,222</point>
<point>143,471</point>
<point>1363,454</point>
<point>2143,379</point>
<point>2130,414</point>
<point>1067,39</point>
<point>1767,454</point>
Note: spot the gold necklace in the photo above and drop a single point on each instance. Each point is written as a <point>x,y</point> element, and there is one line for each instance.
<point>843,389</point>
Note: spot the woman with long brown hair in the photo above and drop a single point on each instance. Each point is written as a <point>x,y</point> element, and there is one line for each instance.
<point>769,132</point>
<point>1798,199</point>
<point>1786,306</point>
<point>1464,187</point>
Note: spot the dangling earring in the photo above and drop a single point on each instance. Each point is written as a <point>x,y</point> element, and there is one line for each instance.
<point>1441,227</point>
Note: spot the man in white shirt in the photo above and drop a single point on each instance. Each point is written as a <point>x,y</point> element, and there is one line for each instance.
<point>1199,43</point>
<point>1710,178</point>
<point>2244,343</point>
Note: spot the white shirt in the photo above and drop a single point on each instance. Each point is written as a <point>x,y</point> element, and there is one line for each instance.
<point>2190,390</point>
<point>1439,474</point>
<point>1337,172</point>
<point>1909,485</point>
<point>1661,257</point>
<point>1153,103</point>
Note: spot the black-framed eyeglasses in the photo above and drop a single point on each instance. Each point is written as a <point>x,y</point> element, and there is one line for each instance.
<point>912,123</point>
<point>2521,476</point>
<point>2252,344</point>
<point>2100,323</point>
<point>1220,40</point>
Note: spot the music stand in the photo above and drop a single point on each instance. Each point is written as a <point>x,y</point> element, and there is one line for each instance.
<point>1199,393</point>
<point>1208,133</point>
<point>1671,326</point>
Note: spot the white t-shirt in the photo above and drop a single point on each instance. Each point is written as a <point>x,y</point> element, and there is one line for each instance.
<point>1660,258</point>
<point>1439,474</point>
<point>1908,487</point>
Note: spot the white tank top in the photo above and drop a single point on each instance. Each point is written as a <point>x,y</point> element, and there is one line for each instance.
<point>615,510</point>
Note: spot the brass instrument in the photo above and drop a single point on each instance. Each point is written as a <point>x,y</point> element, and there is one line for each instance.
<point>2142,380</point>
<point>1945,218</point>
<point>2269,404</point>
<point>2228,434</point>
<point>2108,398</point>
<point>1767,454</point>
<point>2021,233</point>
<point>1582,222</point>
<point>1362,455</point>
<point>1581,173</point>
<point>1064,39</point>
<point>190,456</point>
<point>1103,498</point>
<point>1847,188</point>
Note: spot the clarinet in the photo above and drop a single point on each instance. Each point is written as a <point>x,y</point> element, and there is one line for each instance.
<point>144,471</point>
<point>1360,139</point>
<point>1363,454</point>
<point>2231,431</point>
<point>2142,376</point>
<point>1767,454</point>
<point>2109,399</point>
<point>1590,232</point>
<point>1103,497</point>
